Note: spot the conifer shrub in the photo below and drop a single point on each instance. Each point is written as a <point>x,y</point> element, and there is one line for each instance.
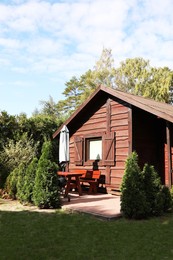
<point>15,181</point>
<point>167,198</point>
<point>4,172</point>
<point>29,181</point>
<point>21,181</point>
<point>46,191</point>
<point>171,191</point>
<point>133,197</point>
<point>153,190</point>
<point>11,183</point>
<point>142,193</point>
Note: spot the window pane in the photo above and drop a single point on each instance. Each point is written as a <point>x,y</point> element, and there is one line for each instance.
<point>95,150</point>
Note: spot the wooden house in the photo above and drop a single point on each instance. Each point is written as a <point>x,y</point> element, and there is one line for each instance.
<point>111,124</point>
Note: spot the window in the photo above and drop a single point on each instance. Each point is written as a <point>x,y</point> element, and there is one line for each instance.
<point>98,147</point>
<point>94,149</point>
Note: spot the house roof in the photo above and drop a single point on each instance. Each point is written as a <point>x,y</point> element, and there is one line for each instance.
<point>160,109</point>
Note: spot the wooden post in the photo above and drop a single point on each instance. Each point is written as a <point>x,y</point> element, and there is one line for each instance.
<point>169,154</point>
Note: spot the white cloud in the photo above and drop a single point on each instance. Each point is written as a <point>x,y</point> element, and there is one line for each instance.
<point>51,28</point>
<point>65,38</point>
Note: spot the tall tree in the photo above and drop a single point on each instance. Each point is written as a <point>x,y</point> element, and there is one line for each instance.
<point>8,127</point>
<point>78,90</point>
<point>104,70</point>
<point>136,76</point>
<point>49,108</point>
<point>72,94</point>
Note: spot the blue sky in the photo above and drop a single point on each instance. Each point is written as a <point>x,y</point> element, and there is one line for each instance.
<point>43,43</point>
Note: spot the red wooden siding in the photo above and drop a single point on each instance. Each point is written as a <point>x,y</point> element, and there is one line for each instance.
<point>111,119</point>
<point>96,123</point>
<point>119,125</point>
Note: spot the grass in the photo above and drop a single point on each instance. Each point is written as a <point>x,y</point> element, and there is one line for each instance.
<point>60,235</point>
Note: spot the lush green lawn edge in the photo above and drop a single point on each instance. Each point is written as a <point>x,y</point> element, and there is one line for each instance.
<point>61,235</point>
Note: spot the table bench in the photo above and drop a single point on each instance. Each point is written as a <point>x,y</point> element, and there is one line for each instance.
<point>92,178</point>
<point>72,179</point>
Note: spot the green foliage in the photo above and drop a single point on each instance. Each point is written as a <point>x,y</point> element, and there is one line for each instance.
<point>4,172</point>
<point>8,128</point>
<point>46,191</point>
<point>142,192</point>
<point>50,109</point>
<point>11,183</point>
<point>153,190</point>
<point>15,182</point>
<point>171,191</point>
<point>167,199</point>
<point>43,127</point>
<point>22,138</point>
<point>21,181</point>
<point>79,89</point>
<point>26,195</point>
<point>136,76</point>
<point>46,152</point>
<point>15,153</point>
<point>133,198</point>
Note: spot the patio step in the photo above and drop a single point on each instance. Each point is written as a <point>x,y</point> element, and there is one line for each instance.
<point>112,190</point>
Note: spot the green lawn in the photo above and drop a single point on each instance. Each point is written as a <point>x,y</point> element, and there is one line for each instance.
<point>32,235</point>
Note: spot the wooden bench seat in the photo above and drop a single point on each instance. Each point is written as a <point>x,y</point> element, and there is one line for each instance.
<point>73,183</point>
<point>92,178</point>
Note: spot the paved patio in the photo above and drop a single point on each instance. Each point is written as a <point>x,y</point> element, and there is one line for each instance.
<point>105,206</point>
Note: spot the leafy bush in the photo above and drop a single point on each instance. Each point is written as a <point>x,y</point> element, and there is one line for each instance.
<point>14,153</point>
<point>133,197</point>
<point>46,191</point>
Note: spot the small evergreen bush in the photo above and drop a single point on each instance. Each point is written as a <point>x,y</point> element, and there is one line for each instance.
<point>167,204</point>
<point>4,172</point>
<point>21,181</point>
<point>11,184</point>
<point>133,197</point>
<point>29,181</point>
<point>142,194</point>
<point>46,190</point>
<point>153,190</point>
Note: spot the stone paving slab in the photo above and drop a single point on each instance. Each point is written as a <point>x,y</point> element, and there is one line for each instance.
<point>101,205</point>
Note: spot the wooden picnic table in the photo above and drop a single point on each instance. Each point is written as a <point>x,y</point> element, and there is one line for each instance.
<point>76,181</point>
